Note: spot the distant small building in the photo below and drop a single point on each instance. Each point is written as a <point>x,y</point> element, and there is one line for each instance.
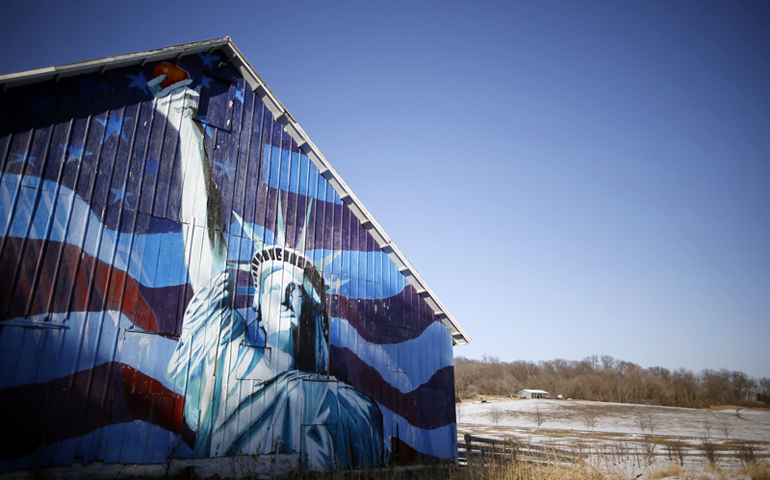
<point>528,393</point>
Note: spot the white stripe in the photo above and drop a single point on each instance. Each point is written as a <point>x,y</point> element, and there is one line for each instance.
<point>390,360</point>
<point>86,340</point>
<point>74,223</point>
<point>440,442</point>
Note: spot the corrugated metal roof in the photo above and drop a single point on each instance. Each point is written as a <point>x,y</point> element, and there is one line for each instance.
<point>236,58</point>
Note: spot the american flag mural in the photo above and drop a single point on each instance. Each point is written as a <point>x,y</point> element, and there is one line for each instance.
<point>179,280</point>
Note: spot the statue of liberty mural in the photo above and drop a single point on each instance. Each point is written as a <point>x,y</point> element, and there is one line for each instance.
<point>258,387</point>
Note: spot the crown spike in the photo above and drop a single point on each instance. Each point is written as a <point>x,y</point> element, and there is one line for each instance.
<point>326,261</point>
<point>336,284</point>
<point>301,241</point>
<point>258,243</point>
<point>281,233</point>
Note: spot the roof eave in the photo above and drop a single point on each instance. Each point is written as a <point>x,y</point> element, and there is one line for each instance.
<point>109,63</point>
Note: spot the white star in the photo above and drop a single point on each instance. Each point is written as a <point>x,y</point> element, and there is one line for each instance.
<point>227,168</point>
<point>121,194</point>
<point>76,153</point>
<point>138,81</point>
<point>208,58</point>
<point>114,125</point>
<point>22,159</point>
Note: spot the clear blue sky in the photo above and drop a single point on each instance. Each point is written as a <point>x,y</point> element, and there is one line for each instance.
<point>571,178</point>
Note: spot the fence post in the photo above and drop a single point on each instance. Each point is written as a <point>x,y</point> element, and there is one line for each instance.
<point>468,448</point>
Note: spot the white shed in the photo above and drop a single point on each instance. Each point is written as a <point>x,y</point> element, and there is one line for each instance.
<point>529,393</point>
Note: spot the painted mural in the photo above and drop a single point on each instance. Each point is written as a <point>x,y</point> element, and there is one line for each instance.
<point>179,281</point>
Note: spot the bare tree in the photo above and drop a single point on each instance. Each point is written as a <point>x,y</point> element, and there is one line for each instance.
<point>648,448</point>
<point>464,382</point>
<point>646,420</point>
<point>676,452</point>
<point>747,453</point>
<point>494,359</point>
<point>709,450</point>
<point>539,416</point>
<point>708,424</point>
<point>460,411</point>
<point>652,423</point>
<point>640,419</point>
<point>495,414</point>
<point>589,417</point>
<point>508,385</point>
<point>723,424</point>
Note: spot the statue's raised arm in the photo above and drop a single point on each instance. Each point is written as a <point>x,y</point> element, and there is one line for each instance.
<point>200,212</point>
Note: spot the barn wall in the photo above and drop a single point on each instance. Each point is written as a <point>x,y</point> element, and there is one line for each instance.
<point>128,329</point>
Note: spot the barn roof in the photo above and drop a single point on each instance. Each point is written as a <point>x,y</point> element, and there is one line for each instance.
<point>236,58</point>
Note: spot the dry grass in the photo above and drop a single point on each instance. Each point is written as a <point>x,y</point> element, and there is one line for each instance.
<point>603,469</point>
<point>528,471</point>
<point>757,471</point>
<point>673,470</point>
<point>506,470</point>
<point>392,473</point>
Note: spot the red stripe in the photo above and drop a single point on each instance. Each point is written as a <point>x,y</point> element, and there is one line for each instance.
<point>76,282</point>
<point>151,401</point>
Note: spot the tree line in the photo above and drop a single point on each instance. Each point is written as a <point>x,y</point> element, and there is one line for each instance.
<point>607,379</point>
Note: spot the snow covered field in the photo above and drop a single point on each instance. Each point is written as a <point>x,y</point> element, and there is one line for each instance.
<point>656,434</point>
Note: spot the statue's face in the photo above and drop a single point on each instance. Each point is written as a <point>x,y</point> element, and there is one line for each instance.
<point>280,304</point>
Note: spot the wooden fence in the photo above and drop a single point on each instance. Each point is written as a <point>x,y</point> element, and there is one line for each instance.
<point>479,450</point>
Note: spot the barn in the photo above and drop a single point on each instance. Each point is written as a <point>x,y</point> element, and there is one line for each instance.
<point>187,280</point>
<point>532,393</point>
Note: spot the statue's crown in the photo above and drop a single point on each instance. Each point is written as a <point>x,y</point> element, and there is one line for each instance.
<point>281,254</point>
